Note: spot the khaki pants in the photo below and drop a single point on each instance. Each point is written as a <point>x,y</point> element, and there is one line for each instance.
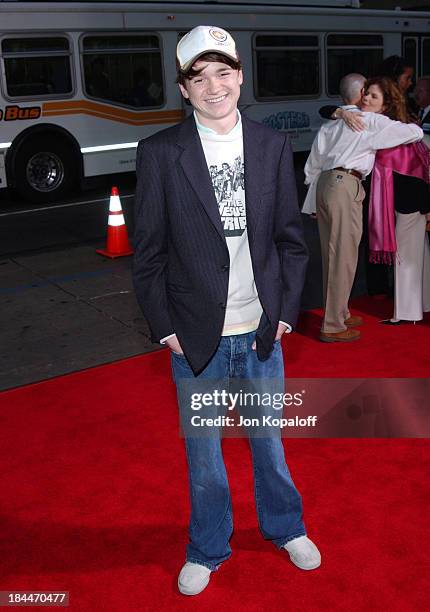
<point>340,223</point>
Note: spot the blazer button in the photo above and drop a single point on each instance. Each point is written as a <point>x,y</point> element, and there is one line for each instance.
<point>222,305</point>
<point>225,268</point>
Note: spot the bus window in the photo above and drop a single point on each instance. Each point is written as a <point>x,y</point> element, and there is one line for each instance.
<point>351,53</point>
<point>124,69</point>
<point>286,65</point>
<point>37,67</point>
<point>410,52</point>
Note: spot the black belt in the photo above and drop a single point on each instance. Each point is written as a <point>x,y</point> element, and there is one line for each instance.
<point>351,171</point>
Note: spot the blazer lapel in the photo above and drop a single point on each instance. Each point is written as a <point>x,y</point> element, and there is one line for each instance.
<point>253,159</point>
<point>194,165</point>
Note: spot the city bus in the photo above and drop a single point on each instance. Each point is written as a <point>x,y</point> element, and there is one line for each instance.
<point>82,82</point>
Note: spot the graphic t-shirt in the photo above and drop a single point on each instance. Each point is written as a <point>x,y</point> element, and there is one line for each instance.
<point>224,157</point>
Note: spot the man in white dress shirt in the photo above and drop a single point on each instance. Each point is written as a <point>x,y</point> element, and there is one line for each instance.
<point>339,160</point>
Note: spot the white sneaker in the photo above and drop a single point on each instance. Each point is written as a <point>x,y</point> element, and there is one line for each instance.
<point>303,553</point>
<point>193,578</point>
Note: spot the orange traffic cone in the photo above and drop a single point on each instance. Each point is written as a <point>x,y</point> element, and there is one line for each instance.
<point>117,238</point>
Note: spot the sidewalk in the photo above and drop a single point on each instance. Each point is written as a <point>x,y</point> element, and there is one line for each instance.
<point>67,310</point>
<point>70,309</point>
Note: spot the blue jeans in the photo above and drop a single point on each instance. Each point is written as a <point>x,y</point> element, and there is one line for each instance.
<point>278,503</point>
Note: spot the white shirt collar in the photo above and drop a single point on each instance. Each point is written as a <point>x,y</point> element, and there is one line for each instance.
<point>350,107</point>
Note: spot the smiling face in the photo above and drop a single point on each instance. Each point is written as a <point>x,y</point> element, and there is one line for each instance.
<point>372,100</point>
<point>214,94</point>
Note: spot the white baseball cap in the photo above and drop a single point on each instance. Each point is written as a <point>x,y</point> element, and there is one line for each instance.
<point>204,39</point>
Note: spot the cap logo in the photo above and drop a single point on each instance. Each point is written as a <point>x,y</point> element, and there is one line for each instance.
<point>220,37</point>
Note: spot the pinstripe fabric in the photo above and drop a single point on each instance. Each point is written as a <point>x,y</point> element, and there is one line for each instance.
<point>181,257</point>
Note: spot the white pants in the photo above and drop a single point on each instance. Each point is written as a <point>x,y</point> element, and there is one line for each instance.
<point>412,268</point>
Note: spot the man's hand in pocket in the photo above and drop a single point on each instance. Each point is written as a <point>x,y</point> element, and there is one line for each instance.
<point>173,344</point>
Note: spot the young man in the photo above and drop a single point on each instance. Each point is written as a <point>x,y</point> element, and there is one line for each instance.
<point>219,270</point>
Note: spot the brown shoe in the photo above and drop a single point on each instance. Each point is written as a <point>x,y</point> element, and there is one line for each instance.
<point>354,321</point>
<point>343,336</point>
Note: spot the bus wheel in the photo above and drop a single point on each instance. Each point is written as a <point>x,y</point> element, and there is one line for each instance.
<point>45,169</point>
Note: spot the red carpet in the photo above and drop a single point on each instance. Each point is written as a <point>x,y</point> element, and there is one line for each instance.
<point>94,491</point>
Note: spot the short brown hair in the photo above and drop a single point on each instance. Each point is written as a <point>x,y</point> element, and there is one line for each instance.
<point>394,100</point>
<point>182,77</point>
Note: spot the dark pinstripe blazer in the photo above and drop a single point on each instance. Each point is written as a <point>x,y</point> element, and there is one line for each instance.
<point>181,266</point>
